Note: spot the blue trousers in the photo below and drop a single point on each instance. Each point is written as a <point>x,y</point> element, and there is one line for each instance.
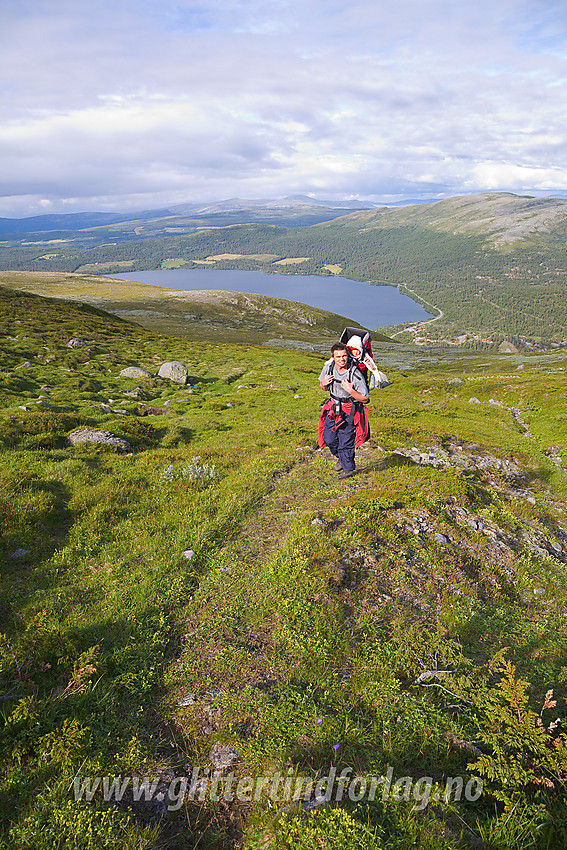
<point>341,442</point>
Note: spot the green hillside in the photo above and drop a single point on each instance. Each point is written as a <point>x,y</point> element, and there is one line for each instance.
<point>495,265</point>
<point>210,597</point>
<point>213,315</point>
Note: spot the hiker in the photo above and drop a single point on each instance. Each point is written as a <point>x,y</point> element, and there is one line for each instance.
<point>343,424</point>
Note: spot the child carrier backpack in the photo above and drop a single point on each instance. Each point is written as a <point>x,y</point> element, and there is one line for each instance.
<point>358,343</point>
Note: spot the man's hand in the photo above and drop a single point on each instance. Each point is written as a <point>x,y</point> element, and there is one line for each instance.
<point>326,382</point>
<point>346,385</point>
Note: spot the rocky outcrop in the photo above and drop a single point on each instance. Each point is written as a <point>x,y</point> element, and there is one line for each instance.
<point>95,435</point>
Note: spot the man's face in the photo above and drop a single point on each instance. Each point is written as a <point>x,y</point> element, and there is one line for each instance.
<point>341,359</point>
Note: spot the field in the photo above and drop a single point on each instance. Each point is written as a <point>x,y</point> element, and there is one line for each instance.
<point>215,596</point>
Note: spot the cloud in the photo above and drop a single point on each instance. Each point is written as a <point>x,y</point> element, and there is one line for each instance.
<point>133,103</point>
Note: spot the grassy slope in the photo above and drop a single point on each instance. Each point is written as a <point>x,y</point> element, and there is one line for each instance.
<point>299,644</point>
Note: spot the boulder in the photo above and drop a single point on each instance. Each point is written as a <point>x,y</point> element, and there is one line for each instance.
<point>135,372</point>
<point>95,435</point>
<point>174,371</point>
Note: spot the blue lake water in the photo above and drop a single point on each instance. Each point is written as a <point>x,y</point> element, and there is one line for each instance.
<point>371,306</point>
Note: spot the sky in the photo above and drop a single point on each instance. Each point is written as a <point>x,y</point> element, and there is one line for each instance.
<point>141,104</point>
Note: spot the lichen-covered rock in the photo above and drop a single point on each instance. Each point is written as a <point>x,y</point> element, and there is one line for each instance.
<point>174,371</point>
<point>135,372</point>
<point>95,435</point>
<point>223,756</point>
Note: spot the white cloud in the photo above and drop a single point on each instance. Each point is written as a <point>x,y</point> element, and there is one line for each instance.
<point>125,103</point>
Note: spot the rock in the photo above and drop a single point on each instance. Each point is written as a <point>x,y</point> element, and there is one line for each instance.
<point>318,521</point>
<point>19,554</point>
<point>76,342</point>
<point>26,365</point>
<point>100,406</point>
<point>120,411</point>
<point>188,554</point>
<point>94,435</point>
<point>135,372</point>
<point>154,411</point>
<point>222,756</point>
<point>174,371</point>
<point>440,538</point>
<point>474,400</point>
<point>496,403</point>
<point>520,367</point>
<point>187,700</point>
<point>455,382</point>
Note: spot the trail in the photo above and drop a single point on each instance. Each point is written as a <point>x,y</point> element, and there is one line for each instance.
<point>427,321</point>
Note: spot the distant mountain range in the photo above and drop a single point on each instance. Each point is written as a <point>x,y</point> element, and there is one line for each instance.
<point>73,222</point>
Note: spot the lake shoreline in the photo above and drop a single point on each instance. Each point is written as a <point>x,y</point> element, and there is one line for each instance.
<point>372,305</point>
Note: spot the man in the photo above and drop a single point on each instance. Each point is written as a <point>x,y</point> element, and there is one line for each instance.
<point>344,420</point>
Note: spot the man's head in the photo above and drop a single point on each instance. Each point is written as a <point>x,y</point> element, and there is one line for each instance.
<point>340,355</point>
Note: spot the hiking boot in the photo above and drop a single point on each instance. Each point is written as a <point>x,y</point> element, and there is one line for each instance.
<point>338,466</point>
<point>346,473</point>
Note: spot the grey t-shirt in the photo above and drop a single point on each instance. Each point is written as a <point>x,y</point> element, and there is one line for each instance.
<point>356,379</point>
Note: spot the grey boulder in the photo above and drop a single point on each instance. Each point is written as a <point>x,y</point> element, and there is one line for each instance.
<point>174,371</point>
<point>135,372</point>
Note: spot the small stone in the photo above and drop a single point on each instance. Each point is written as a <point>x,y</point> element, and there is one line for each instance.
<point>26,365</point>
<point>222,756</point>
<point>455,382</point>
<point>76,342</point>
<point>473,400</point>
<point>317,521</point>
<point>189,554</point>
<point>187,700</point>
<point>440,538</point>
<point>19,554</point>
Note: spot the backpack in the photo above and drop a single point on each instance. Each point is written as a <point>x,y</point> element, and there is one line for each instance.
<point>358,343</point>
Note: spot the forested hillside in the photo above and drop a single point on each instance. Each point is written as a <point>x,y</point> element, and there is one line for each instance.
<point>496,266</point>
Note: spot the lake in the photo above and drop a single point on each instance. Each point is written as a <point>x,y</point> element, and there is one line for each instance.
<point>371,306</point>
